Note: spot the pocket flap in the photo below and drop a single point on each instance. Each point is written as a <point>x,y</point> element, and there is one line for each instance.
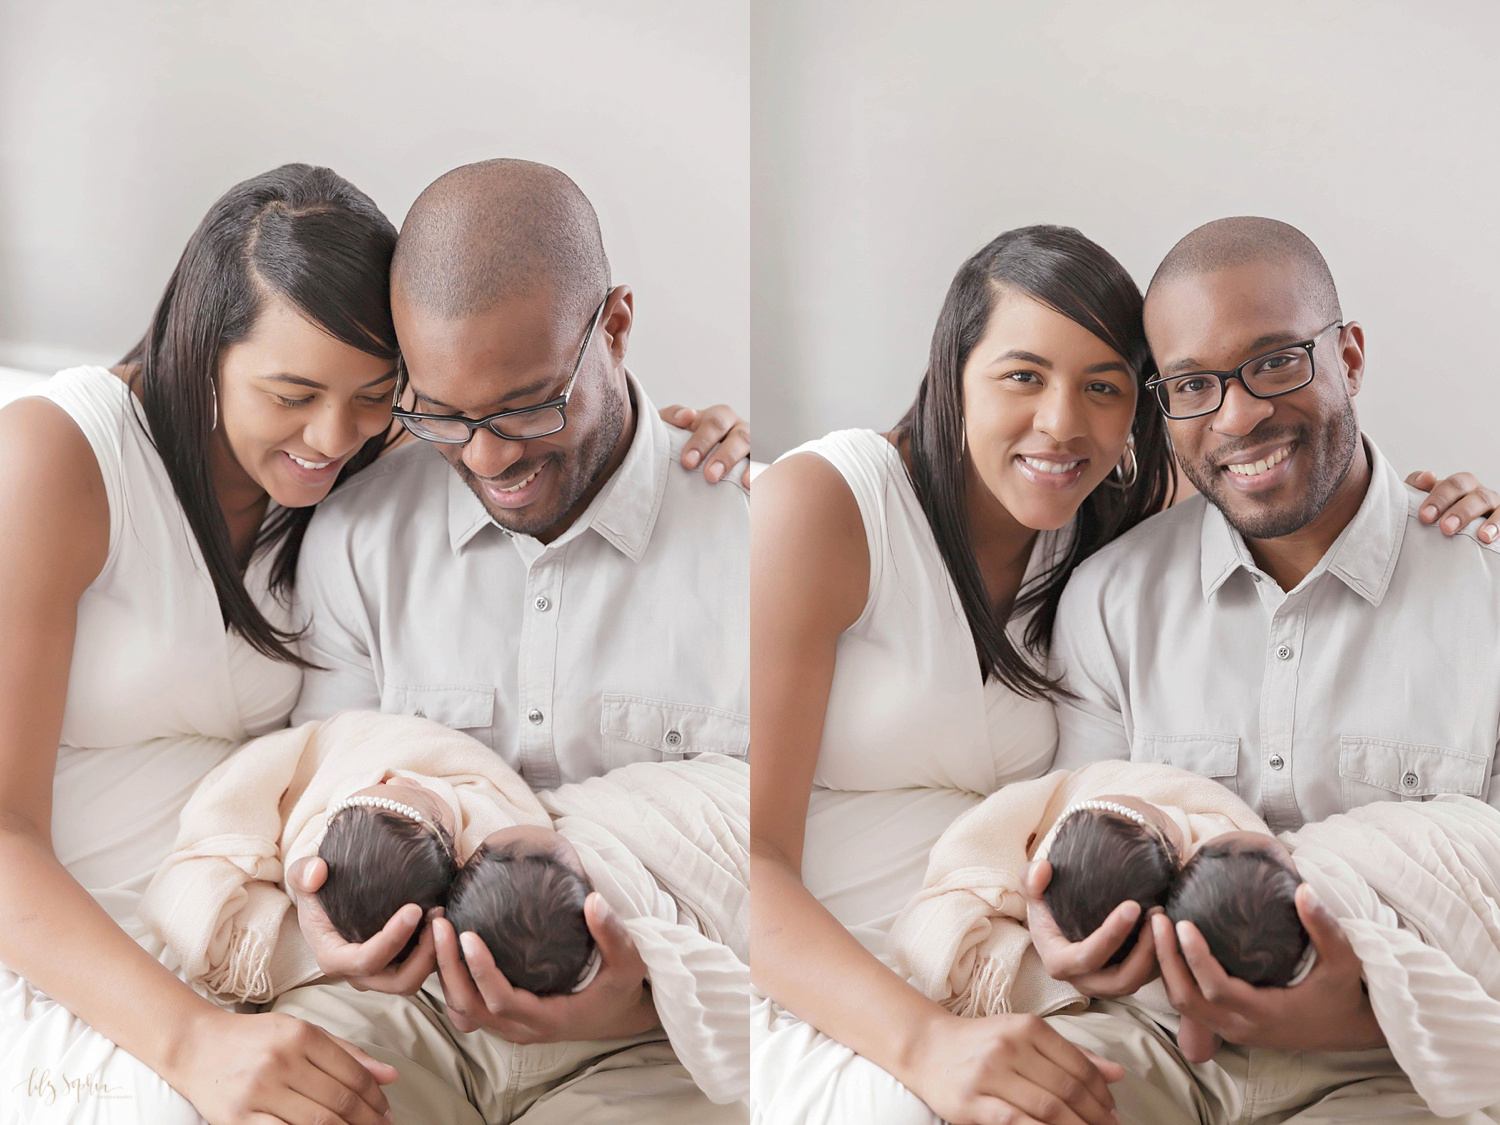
<point>1211,755</point>
<point>1410,768</point>
<point>454,706</point>
<point>674,730</point>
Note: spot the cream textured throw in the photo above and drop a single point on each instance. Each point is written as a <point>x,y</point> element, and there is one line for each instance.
<point>1416,889</point>
<point>963,939</point>
<point>219,902</point>
<point>668,846</point>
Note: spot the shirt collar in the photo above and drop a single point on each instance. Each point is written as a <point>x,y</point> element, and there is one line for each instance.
<point>1363,557</point>
<point>623,513</point>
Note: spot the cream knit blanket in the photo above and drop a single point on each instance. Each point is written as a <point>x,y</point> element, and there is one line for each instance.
<point>1416,889</point>
<point>219,901</point>
<point>668,846</point>
<point>963,939</point>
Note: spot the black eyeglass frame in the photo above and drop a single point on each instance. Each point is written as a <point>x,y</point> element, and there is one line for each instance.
<point>560,403</point>
<point>1223,377</point>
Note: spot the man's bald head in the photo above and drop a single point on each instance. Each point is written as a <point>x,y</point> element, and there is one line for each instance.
<point>1226,243</point>
<point>499,229</point>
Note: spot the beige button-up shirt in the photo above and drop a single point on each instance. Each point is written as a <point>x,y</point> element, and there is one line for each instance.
<point>1376,679</point>
<point>624,640</point>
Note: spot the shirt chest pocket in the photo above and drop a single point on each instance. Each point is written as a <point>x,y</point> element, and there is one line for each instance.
<point>1383,769</point>
<point>637,729</point>
<point>1208,755</point>
<point>469,709</point>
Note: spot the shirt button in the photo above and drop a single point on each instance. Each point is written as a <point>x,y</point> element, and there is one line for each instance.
<point>1276,762</point>
<point>1283,652</point>
<point>674,738</point>
<point>542,603</point>
<point>534,715</point>
<point>1409,780</point>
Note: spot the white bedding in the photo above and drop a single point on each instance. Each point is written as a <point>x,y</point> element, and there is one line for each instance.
<point>14,383</point>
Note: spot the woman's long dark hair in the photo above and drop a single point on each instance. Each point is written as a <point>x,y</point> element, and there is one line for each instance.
<point>312,238</point>
<point>1065,271</point>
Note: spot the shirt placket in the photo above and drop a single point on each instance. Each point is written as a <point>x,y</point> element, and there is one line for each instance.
<point>1278,710</point>
<point>537,670</point>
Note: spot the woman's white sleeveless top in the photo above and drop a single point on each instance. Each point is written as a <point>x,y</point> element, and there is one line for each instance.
<point>913,737</point>
<point>159,691</point>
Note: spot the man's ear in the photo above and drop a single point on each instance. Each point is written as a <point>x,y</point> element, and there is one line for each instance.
<point>618,317</point>
<point>1352,356</point>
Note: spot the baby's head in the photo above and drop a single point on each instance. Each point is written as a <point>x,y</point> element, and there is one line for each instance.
<point>522,892</point>
<point>1104,852</point>
<point>385,846</point>
<point>1240,891</point>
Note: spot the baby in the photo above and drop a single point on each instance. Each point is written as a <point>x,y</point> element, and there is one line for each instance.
<point>522,890</point>
<point>1238,888</point>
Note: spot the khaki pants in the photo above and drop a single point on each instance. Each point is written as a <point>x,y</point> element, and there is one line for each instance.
<point>1243,1085</point>
<point>449,1077</point>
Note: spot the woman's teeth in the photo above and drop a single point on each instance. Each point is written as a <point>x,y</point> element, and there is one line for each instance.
<point>314,465</point>
<point>1055,467</point>
<point>1254,469</point>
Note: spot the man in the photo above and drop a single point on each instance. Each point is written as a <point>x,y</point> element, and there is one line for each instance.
<point>1291,632</point>
<point>539,573</point>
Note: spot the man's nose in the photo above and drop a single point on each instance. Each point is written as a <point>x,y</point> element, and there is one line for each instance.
<point>488,455</point>
<point>1241,411</point>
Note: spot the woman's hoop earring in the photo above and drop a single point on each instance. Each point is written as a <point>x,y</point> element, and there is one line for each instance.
<point>214,393</point>
<point>1124,474</point>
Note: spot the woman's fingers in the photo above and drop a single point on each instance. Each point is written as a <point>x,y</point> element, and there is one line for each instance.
<point>1055,1094</point>
<point>1079,1077</point>
<point>383,1073</point>
<point>335,1095</point>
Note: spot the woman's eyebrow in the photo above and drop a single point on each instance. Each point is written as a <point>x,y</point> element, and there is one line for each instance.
<point>300,381</point>
<point>1032,357</point>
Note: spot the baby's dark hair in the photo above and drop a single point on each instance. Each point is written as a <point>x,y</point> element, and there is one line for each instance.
<point>378,861</point>
<point>1100,860</point>
<point>527,907</point>
<point>1243,901</point>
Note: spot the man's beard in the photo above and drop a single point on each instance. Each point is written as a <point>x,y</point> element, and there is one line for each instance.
<point>1336,443</point>
<point>577,470</point>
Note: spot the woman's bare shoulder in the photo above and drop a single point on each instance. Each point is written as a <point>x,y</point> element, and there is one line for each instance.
<point>53,504</point>
<point>806,525</point>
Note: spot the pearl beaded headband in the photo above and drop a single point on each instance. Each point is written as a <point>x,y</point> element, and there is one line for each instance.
<point>386,804</point>
<point>1113,807</point>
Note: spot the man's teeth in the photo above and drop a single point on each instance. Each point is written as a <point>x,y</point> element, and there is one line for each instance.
<point>309,464</point>
<point>1256,468</point>
<point>1055,467</point>
<point>521,485</point>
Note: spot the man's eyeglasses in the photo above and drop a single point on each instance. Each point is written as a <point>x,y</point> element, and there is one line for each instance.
<point>1275,373</point>
<point>529,422</point>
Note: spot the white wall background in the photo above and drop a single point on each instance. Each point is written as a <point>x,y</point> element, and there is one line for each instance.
<point>892,139</point>
<point>122,120</point>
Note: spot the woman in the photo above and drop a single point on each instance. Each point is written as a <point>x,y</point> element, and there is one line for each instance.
<point>933,556</point>
<point>154,515</point>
